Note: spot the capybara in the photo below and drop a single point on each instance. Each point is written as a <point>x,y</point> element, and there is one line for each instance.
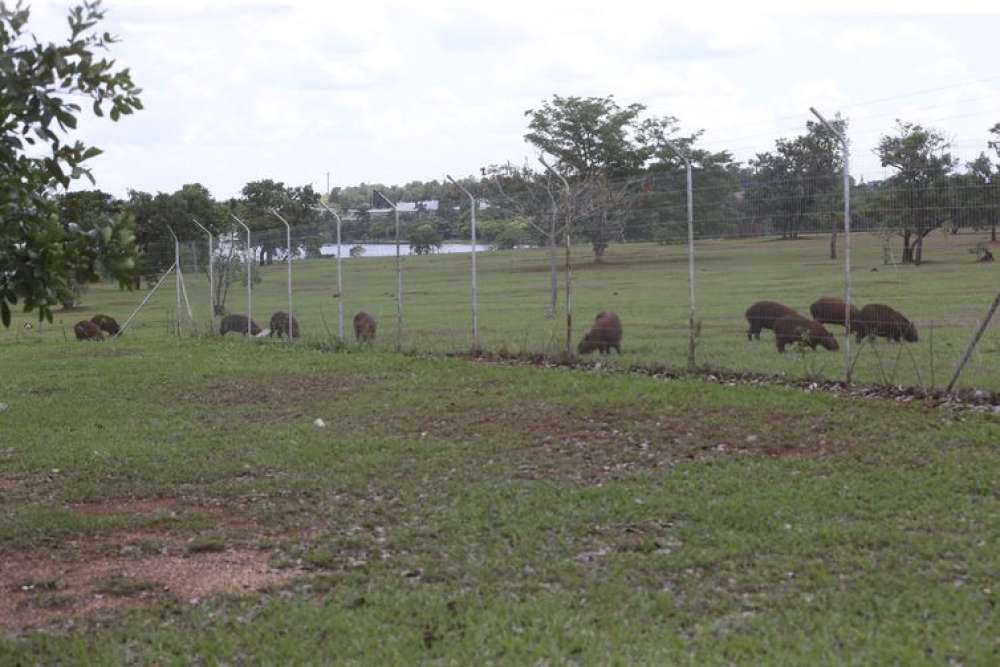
<point>878,319</point>
<point>604,335</point>
<point>107,324</point>
<point>762,315</point>
<point>238,324</point>
<point>830,310</point>
<point>364,327</point>
<point>279,324</point>
<point>792,329</point>
<point>87,330</point>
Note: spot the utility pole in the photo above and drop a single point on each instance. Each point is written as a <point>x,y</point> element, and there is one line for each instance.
<point>842,140</point>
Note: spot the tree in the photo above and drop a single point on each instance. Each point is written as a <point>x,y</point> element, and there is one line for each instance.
<point>920,188</point>
<point>297,205</point>
<point>799,180</point>
<point>424,239</point>
<point>42,257</point>
<point>979,186</point>
<point>156,215</point>
<point>597,143</point>
<point>86,210</point>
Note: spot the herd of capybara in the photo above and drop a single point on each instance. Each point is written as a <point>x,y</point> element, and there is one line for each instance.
<point>788,325</point>
<point>874,320</point>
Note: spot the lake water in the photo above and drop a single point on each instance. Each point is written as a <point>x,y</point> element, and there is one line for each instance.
<point>389,249</point>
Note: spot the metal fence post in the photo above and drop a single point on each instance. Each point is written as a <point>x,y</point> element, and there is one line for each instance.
<point>842,140</point>
<point>340,276</point>
<point>288,251</point>
<point>972,344</point>
<point>249,260</point>
<point>177,281</point>
<point>475,286</point>
<point>569,262</point>
<point>399,278</point>
<point>691,365</point>
<point>211,276</point>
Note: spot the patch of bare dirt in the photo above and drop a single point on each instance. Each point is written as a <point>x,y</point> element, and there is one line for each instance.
<point>56,585</point>
<point>44,591</point>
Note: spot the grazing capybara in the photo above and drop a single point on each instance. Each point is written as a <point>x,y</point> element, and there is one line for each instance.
<point>107,324</point>
<point>604,335</point>
<point>793,329</point>
<point>279,324</point>
<point>238,324</point>
<point>364,327</point>
<point>878,319</point>
<point>830,310</point>
<point>87,330</point>
<point>762,315</point>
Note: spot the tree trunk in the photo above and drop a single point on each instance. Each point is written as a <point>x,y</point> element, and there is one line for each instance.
<point>601,239</point>
<point>993,232</point>
<point>833,240</point>
<point>918,250</point>
<point>907,248</point>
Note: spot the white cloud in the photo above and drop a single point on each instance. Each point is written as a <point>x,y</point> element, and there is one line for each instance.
<point>240,90</point>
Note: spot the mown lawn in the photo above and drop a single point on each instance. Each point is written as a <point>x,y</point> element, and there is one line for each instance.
<point>173,500</point>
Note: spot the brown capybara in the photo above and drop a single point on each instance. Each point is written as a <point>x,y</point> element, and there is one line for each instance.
<point>762,315</point>
<point>87,330</point>
<point>279,324</point>
<point>878,319</point>
<point>831,310</point>
<point>107,324</point>
<point>604,335</point>
<point>238,324</point>
<point>793,329</point>
<point>364,327</point>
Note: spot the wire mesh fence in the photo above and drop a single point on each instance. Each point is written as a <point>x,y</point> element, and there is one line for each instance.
<point>926,252</point>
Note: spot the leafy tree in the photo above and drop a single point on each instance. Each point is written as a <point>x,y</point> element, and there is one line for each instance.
<point>424,239</point>
<point>597,143</point>
<point>979,189</point>
<point>156,215</point>
<point>920,187</point>
<point>297,205</point>
<point>43,257</point>
<point>799,181</point>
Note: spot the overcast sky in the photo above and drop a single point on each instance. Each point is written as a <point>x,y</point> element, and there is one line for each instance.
<point>239,91</point>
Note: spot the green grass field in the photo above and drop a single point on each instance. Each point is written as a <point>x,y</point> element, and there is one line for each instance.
<point>172,501</point>
<point>646,284</point>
